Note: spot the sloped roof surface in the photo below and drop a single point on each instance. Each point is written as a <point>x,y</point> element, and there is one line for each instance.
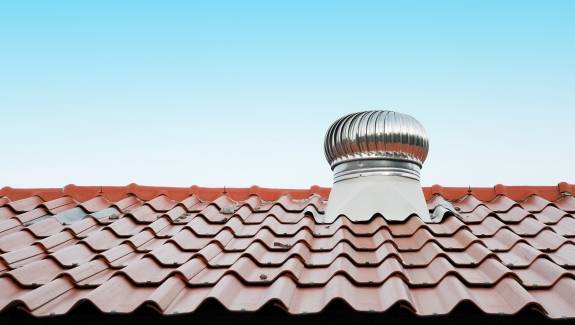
<point>171,249</point>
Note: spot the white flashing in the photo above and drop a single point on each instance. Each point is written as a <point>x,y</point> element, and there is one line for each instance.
<point>396,198</point>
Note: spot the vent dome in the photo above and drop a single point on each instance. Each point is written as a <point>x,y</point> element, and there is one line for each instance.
<point>384,142</point>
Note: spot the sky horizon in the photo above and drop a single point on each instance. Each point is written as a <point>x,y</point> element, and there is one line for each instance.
<point>238,94</point>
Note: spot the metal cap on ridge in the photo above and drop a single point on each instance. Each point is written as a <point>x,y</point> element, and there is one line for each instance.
<point>376,142</point>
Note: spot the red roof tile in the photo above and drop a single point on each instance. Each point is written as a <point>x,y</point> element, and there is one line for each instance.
<point>172,249</point>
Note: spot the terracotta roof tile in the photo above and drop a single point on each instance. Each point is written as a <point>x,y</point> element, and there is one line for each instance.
<point>171,249</point>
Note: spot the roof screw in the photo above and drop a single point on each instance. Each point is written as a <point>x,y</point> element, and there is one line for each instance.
<point>263,276</point>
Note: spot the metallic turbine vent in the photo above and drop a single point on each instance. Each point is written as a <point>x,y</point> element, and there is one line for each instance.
<point>376,143</point>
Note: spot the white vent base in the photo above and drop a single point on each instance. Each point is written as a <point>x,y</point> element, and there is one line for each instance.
<point>396,198</point>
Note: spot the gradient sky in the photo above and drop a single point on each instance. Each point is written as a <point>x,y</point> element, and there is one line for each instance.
<point>241,93</point>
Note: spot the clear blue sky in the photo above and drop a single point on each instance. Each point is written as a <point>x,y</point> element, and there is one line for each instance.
<point>240,93</point>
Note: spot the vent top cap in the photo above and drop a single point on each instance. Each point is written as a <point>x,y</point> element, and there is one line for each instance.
<point>376,135</point>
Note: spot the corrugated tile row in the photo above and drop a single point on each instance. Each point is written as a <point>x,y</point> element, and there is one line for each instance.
<point>173,253</point>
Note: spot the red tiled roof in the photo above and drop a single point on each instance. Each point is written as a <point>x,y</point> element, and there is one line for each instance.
<point>511,248</point>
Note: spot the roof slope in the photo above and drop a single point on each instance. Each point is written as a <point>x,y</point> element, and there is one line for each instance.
<point>172,249</point>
